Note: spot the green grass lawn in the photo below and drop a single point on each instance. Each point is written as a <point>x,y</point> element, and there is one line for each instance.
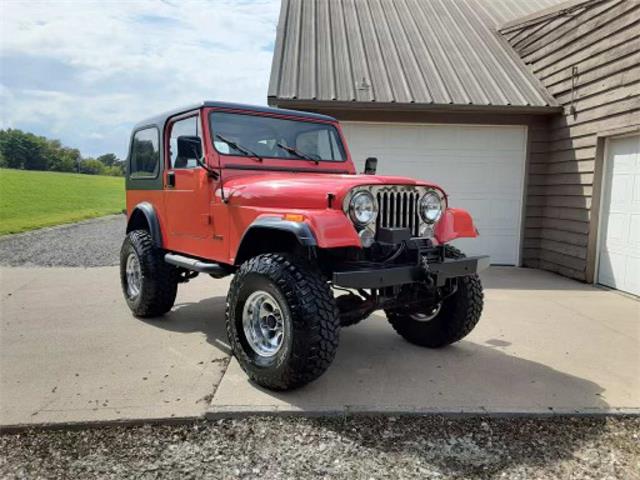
<point>31,199</point>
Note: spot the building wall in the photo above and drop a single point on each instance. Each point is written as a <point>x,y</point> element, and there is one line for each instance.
<point>589,60</point>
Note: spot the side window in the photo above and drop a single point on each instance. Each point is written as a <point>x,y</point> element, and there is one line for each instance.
<point>183,154</point>
<point>145,153</point>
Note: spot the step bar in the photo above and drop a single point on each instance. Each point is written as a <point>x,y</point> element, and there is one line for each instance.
<point>196,265</point>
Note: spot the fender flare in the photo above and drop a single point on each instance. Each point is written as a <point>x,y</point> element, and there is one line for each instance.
<point>149,213</point>
<point>301,231</point>
<point>455,223</point>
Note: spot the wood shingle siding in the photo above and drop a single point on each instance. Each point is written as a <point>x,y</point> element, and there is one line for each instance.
<point>589,60</point>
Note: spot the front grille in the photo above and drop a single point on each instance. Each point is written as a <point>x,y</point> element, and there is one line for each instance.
<point>398,208</point>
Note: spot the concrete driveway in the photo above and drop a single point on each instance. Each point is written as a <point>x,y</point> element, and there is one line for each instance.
<point>545,344</point>
<point>70,351</point>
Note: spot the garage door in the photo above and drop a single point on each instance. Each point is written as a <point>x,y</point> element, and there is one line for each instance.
<point>480,167</point>
<point>619,262</point>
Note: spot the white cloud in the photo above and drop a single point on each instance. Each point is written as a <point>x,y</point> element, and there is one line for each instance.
<point>86,71</point>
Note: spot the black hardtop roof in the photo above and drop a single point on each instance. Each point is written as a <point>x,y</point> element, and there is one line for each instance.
<point>159,120</point>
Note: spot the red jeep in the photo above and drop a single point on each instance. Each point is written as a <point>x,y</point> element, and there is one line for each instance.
<point>272,197</point>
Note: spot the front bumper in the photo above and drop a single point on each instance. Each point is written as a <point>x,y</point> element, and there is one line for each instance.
<point>388,276</point>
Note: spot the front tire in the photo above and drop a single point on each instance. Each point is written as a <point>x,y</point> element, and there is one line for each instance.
<point>282,321</point>
<point>447,323</point>
<point>149,284</point>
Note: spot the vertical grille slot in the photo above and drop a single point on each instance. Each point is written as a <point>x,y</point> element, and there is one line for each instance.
<point>398,209</point>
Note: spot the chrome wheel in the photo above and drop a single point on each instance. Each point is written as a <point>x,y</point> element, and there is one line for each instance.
<point>263,323</point>
<point>134,276</point>
<point>428,315</point>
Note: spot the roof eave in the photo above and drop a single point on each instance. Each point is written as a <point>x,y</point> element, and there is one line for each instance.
<point>546,14</point>
<point>416,107</point>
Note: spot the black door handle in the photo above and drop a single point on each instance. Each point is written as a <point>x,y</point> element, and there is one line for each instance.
<point>171,179</point>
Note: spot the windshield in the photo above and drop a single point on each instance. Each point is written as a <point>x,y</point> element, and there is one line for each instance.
<point>267,137</point>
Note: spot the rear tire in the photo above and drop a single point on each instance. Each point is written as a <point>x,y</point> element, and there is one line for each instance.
<point>149,284</point>
<point>457,317</point>
<point>282,321</point>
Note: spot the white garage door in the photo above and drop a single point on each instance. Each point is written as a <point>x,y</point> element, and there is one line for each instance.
<point>619,263</point>
<point>480,167</point>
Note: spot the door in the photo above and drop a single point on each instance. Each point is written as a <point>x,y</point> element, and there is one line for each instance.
<point>480,167</point>
<point>619,249</point>
<point>187,191</point>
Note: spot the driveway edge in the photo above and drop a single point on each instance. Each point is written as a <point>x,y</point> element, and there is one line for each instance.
<point>351,410</point>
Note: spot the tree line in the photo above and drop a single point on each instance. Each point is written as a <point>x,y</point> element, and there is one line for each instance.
<point>26,151</point>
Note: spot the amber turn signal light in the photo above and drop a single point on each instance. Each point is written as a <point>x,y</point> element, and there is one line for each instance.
<point>294,217</point>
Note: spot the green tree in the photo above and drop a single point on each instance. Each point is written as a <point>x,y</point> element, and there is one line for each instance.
<point>92,166</point>
<point>108,159</point>
<point>63,159</point>
<point>24,150</point>
<point>114,166</point>
<point>114,170</point>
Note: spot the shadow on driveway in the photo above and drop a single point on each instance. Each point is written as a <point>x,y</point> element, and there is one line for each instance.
<point>376,370</point>
<point>206,316</point>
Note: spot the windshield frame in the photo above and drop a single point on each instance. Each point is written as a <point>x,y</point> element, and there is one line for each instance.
<point>329,125</point>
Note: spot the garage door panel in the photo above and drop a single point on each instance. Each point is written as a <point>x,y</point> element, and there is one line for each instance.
<point>634,235</point>
<point>477,174</point>
<point>617,230</point>
<point>611,262</point>
<point>503,213</point>
<point>480,167</point>
<point>487,245</point>
<point>619,270</point>
<point>488,213</point>
<point>619,251</point>
<point>486,139</point>
<point>633,279</point>
<point>435,138</point>
<point>635,195</point>
<point>621,191</point>
<point>471,138</point>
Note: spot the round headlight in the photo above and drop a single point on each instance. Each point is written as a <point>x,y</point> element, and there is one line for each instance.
<point>362,208</point>
<point>430,207</point>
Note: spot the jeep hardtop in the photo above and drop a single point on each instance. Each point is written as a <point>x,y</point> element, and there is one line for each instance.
<point>272,197</point>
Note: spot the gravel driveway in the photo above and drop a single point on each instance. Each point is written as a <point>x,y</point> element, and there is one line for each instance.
<point>351,448</point>
<point>92,243</point>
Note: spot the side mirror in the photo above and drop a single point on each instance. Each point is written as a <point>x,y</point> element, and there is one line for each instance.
<point>370,166</point>
<point>189,147</point>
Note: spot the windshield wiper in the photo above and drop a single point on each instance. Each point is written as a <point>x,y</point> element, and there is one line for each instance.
<point>298,153</point>
<point>239,147</point>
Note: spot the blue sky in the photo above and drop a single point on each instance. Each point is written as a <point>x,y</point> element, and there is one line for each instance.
<point>85,71</point>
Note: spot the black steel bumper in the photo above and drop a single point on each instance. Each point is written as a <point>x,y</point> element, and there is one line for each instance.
<point>387,276</point>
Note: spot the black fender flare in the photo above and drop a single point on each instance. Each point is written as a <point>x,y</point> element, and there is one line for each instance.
<point>300,230</point>
<point>151,216</point>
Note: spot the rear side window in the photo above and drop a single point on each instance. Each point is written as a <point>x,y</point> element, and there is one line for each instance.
<point>179,157</point>
<point>145,153</point>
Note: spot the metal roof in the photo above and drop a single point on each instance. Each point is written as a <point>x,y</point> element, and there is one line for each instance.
<point>420,52</point>
<point>160,119</point>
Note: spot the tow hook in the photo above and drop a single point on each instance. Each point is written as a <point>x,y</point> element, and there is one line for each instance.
<point>428,277</point>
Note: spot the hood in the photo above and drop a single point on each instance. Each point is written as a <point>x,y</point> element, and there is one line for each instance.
<point>302,190</point>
